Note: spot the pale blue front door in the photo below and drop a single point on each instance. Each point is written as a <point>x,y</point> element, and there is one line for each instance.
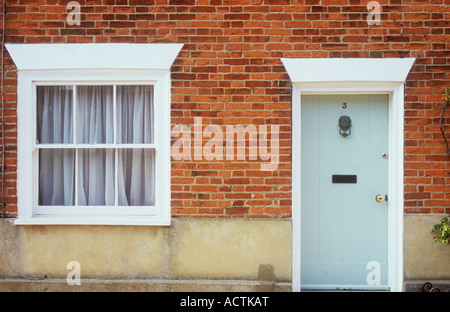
<point>344,226</point>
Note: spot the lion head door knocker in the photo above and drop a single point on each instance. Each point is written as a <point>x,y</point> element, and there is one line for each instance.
<point>345,124</point>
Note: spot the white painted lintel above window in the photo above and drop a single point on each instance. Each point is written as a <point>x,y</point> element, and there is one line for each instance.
<point>155,56</point>
<point>347,69</point>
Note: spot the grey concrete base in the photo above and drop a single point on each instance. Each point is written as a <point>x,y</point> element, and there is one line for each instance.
<point>417,285</point>
<point>93,285</point>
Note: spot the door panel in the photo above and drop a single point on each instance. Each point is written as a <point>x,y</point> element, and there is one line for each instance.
<point>343,227</point>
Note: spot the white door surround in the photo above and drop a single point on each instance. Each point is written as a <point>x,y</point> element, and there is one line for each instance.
<point>353,76</point>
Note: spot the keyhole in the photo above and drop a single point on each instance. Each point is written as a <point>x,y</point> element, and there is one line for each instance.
<point>344,105</point>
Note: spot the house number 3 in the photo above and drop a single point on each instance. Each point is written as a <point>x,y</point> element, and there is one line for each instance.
<point>344,105</point>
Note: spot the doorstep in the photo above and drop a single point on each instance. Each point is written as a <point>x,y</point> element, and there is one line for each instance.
<point>417,285</point>
<point>138,285</point>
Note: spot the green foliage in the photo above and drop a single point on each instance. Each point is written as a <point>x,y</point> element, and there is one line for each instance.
<point>447,94</point>
<point>442,231</point>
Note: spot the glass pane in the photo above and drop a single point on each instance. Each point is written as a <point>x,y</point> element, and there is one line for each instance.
<point>95,113</point>
<point>136,177</point>
<point>135,114</point>
<point>56,177</point>
<point>54,114</point>
<point>96,177</point>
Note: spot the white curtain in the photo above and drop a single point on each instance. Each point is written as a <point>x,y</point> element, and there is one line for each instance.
<point>94,125</point>
<point>54,125</point>
<point>135,125</point>
<point>136,178</point>
<point>95,111</point>
<point>95,114</point>
<point>135,114</point>
<point>54,114</point>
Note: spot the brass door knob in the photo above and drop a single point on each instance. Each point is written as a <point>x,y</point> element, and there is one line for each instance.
<point>379,198</point>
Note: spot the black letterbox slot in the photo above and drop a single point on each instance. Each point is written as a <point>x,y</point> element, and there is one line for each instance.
<point>344,178</point>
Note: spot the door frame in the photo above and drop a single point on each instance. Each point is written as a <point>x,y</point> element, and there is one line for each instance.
<point>353,76</point>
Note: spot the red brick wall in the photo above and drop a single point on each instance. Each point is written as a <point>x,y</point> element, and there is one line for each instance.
<point>229,72</point>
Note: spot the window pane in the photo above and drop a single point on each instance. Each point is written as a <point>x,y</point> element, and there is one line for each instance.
<point>136,177</point>
<point>54,114</point>
<point>135,114</point>
<point>96,177</point>
<point>95,113</point>
<point>56,177</point>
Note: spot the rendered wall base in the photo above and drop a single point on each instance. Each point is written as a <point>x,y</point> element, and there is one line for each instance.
<point>228,254</point>
<point>423,260</point>
<point>190,255</point>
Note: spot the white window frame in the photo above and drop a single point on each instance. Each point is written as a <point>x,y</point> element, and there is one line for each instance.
<point>92,64</point>
<point>353,76</point>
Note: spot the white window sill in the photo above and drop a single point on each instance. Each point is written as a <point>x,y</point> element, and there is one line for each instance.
<point>93,220</point>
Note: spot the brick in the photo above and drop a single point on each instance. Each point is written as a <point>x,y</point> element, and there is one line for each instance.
<point>237,210</point>
<point>229,72</point>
